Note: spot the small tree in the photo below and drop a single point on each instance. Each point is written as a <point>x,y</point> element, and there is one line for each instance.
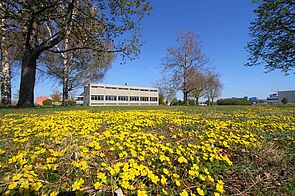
<point>197,83</point>
<point>47,102</point>
<point>166,89</point>
<point>182,60</point>
<point>284,100</point>
<point>213,87</point>
<point>55,96</point>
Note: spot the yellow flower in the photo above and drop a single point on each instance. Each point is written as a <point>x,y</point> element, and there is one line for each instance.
<point>12,186</point>
<point>219,186</point>
<point>17,177</point>
<point>181,159</point>
<point>163,180</point>
<point>191,172</point>
<point>164,191</point>
<point>25,185</point>
<point>141,193</point>
<point>53,193</point>
<point>216,194</point>
<point>101,176</point>
<point>77,184</point>
<point>97,185</point>
<point>166,171</point>
<point>36,186</point>
<point>200,191</point>
<point>177,182</point>
<point>184,193</point>
<point>201,177</point>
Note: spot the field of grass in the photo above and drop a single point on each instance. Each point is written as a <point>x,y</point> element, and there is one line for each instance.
<point>240,150</point>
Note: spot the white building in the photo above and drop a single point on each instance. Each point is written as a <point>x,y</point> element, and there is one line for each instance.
<point>289,95</point>
<point>108,94</point>
<point>272,98</point>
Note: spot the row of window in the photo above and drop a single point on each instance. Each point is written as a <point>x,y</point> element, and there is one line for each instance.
<point>122,98</point>
<point>121,88</point>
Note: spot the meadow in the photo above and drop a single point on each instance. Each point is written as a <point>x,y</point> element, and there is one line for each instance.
<point>148,150</point>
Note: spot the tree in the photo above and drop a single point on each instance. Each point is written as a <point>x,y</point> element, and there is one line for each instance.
<point>5,68</point>
<point>182,60</point>
<point>213,87</point>
<point>166,88</point>
<point>76,69</point>
<point>284,100</point>
<point>90,23</point>
<point>273,35</point>
<point>197,82</point>
<point>55,96</point>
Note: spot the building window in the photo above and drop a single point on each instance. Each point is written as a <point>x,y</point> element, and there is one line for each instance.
<point>144,90</point>
<point>133,98</point>
<point>97,87</point>
<point>111,98</point>
<point>97,97</point>
<point>153,90</point>
<point>123,88</point>
<point>134,89</point>
<point>108,87</point>
<point>144,99</point>
<point>153,98</point>
<point>122,98</point>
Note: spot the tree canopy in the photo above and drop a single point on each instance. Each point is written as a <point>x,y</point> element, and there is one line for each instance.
<point>100,26</point>
<point>273,35</point>
<point>184,59</point>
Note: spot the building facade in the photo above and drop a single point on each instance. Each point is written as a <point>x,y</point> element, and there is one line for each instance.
<point>40,99</point>
<point>272,98</point>
<point>289,95</point>
<point>108,94</point>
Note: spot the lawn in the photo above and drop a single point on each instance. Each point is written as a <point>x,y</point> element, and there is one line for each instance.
<point>148,150</point>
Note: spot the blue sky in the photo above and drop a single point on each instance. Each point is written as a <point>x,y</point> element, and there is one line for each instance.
<point>223,27</point>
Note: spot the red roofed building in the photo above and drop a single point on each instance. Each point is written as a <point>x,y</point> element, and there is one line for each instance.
<point>40,100</point>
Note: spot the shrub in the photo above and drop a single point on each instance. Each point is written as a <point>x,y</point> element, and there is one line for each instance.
<point>234,101</point>
<point>284,101</point>
<point>47,102</point>
<point>71,103</point>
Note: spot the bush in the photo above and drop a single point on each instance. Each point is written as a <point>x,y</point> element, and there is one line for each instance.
<point>284,101</point>
<point>235,101</point>
<point>47,102</point>
<point>71,103</point>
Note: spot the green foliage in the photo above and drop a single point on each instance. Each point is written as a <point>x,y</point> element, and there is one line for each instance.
<point>174,101</point>
<point>284,101</point>
<point>47,102</point>
<point>273,35</point>
<point>234,101</point>
<point>71,103</point>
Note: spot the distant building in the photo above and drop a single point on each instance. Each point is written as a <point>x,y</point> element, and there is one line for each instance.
<point>253,99</point>
<point>107,94</point>
<point>246,97</point>
<point>273,98</point>
<point>289,95</point>
<point>40,99</point>
<point>79,99</point>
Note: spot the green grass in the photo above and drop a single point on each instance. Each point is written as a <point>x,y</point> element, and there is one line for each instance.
<point>268,170</point>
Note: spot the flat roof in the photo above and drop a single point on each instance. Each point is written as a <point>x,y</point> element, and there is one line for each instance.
<point>121,86</point>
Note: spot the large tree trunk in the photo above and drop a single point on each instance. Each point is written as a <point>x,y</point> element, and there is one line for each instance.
<point>27,84</point>
<point>5,76</point>
<point>5,68</point>
<point>185,98</point>
<point>65,90</point>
